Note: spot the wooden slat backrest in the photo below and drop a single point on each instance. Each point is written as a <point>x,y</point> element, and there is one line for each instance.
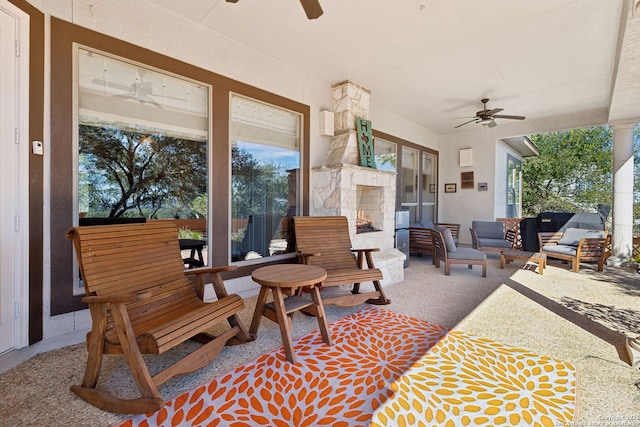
<point>327,236</point>
<point>549,238</point>
<point>125,259</point>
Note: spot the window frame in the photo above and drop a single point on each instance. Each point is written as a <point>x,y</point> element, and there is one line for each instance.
<point>61,207</point>
<point>299,190</point>
<point>400,143</point>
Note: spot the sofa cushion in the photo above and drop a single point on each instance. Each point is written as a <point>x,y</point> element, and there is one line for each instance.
<point>448,238</point>
<point>560,249</point>
<point>572,236</point>
<point>489,229</point>
<point>494,243</point>
<point>467,253</point>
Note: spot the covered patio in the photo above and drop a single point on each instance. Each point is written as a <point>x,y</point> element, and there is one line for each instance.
<point>561,63</point>
<point>582,318</point>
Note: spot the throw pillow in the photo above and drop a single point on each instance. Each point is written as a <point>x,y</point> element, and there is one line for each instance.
<point>448,238</point>
<point>489,229</point>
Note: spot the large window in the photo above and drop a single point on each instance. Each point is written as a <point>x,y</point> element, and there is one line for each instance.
<point>142,141</point>
<point>429,186</point>
<point>265,163</point>
<point>385,154</point>
<point>409,182</point>
<point>142,148</point>
<point>514,187</point>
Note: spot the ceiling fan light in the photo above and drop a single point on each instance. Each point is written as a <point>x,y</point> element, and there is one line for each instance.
<point>485,121</point>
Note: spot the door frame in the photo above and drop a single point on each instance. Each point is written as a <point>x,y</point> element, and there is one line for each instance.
<point>21,188</point>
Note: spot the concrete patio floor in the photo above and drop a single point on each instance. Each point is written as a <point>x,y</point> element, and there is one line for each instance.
<point>582,318</point>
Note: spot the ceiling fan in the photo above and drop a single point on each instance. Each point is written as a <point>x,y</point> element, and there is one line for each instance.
<point>311,8</point>
<point>487,117</point>
<point>139,90</point>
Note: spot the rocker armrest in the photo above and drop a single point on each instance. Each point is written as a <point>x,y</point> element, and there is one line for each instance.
<point>365,254</point>
<point>365,250</point>
<point>308,254</point>
<point>209,270</point>
<point>116,299</point>
<point>216,280</point>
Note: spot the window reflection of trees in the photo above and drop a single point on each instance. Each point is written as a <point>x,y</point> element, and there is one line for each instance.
<point>125,173</point>
<point>261,194</point>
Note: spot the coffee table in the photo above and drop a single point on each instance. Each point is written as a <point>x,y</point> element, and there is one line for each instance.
<point>513,254</point>
<point>287,279</point>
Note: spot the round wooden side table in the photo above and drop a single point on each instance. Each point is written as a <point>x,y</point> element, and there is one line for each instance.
<point>289,278</point>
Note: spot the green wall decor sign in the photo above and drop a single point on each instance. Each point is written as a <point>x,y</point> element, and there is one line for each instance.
<point>365,143</point>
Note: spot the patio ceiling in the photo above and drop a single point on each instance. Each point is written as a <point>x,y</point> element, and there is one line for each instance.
<point>431,61</point>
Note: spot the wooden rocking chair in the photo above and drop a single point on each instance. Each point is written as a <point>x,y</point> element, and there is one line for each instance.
<point>141,301</point>
<point>325,241</point>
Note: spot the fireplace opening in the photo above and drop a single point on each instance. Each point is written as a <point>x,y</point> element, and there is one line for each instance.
<point>369,208</point>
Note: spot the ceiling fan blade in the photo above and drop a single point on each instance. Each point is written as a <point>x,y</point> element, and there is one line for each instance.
<point>465,123</point>
<point>312,8</point>
<point>502,116</point>
<point>494,111</point>
<point>112,85</point>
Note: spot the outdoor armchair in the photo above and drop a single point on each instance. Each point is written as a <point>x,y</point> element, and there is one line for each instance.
<point>576,245</point>
<point>421,241</point>
<point>490,236</point>
<point>446,251</point>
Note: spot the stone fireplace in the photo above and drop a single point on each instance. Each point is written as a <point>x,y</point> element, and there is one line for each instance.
<point>366,196</point>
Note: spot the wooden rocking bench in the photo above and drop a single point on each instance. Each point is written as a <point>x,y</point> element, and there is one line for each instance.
<point>141,301</point>
<point>324,241</point>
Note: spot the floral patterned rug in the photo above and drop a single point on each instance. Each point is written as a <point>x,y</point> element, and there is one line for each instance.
<point>384,369</point>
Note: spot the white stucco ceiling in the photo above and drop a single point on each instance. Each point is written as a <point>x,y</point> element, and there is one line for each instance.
<point>431,61</point>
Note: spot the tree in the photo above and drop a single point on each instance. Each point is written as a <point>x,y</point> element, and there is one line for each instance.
<point>257,187</point>
<point>572,173</point>
<point>125,173</point>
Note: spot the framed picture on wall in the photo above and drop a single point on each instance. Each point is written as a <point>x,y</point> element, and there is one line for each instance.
<point>432,188</point>
<point>466,180</point>
<point>450,188</point>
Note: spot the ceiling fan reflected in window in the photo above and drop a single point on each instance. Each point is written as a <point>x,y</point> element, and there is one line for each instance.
<point>139,90</point>
<point>487,117</point>
<point>311,8</point>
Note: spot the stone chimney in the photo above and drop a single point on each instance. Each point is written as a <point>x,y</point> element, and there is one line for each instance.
<point>349,101</point>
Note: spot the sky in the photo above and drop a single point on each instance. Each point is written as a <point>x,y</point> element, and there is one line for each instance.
<point>290,159</point>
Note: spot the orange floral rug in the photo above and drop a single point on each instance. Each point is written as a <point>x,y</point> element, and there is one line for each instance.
<point>384,369</point>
